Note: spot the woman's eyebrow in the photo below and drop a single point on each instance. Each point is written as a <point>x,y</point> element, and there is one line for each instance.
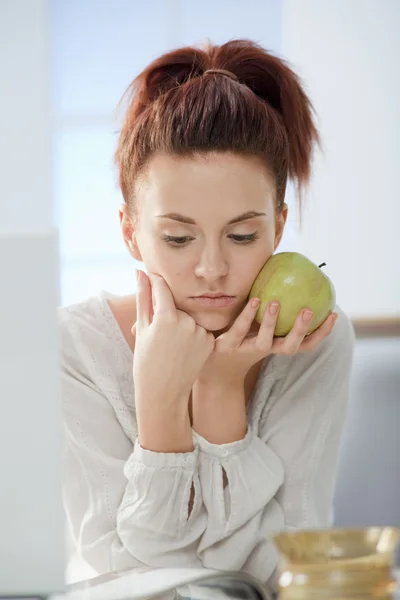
<point>182,219</point>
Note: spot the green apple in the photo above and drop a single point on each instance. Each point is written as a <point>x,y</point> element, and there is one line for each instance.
<point>296,283</point>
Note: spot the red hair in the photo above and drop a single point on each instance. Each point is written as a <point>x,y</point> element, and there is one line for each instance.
<point>175,108</point>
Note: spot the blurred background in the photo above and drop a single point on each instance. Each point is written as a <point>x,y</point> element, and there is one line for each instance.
<point>66,64</point>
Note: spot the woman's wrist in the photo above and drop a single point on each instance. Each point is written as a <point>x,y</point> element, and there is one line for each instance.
<point>165,427</point>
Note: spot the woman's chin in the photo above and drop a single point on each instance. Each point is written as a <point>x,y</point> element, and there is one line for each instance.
<point>213,321</point>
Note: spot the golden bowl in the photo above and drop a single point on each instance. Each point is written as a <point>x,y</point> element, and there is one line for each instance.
<point>337,563</point>
<point>344,546</point>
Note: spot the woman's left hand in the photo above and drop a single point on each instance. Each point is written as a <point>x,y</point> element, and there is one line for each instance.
<point>247,343</point>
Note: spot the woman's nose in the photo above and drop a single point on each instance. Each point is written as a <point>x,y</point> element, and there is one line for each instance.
<point>212,265</point>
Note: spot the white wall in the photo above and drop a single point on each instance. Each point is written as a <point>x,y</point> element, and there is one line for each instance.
<point>31,515</point>
<point>348,53</point>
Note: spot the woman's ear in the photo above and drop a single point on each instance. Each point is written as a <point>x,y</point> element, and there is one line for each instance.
<point>281,219</point>
<point>129,232</point>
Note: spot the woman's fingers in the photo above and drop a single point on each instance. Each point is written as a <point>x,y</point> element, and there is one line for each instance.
<point>265,334</point>
<point>316,337</point>
<point>144,305</point>
<point>297,339</point>
<point>153,297</point>
<point>290,344</point>
<point>163,299</point>
<point>235,336</point>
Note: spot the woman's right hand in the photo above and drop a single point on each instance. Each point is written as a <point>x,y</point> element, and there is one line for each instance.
<point>170,351</point>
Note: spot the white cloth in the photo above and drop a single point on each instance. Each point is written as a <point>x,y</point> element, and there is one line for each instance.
<point>128,507</point>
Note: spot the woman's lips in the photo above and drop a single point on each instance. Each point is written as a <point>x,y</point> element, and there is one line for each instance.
<point>219,302</point>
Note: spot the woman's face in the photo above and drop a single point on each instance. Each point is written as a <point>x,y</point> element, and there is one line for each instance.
<point>207,225</point>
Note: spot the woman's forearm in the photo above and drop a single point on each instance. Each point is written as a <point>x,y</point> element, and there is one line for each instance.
<point>165,426</point>
<point>219,411</point>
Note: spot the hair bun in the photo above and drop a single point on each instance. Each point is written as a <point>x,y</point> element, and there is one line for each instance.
<point>174,106</point>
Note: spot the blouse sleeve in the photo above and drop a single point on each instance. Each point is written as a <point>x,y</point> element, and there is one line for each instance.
<point>125,506</point>
<point>281,476</point>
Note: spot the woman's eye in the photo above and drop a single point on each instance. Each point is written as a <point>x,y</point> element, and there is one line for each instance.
<point>177,241</point>
<point>182,240</point>
<point>244,239</point>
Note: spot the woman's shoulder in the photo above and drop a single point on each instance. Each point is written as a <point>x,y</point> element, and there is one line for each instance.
<point>83,323</point>
<point>90,338</point>
<point>96,365</point>
<point>341,340</point>
<point>342,337</point>
<point>86,313</point>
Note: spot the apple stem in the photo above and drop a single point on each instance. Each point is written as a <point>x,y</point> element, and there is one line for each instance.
<point>321,265</point>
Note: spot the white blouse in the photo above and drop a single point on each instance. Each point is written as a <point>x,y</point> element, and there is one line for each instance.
<point>127,507</point>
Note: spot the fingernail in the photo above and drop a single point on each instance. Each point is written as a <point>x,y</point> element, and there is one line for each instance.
<point>255,302</point>
<point>334,318</point>
<point>273,308</point>
<point>307,315</point>
<point>138,275</point>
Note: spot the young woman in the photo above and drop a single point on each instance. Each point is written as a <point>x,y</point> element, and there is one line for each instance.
<point>192,434</point>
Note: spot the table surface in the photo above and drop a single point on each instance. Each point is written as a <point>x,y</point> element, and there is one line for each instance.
<point>145,582</point>
<point>136,584</point>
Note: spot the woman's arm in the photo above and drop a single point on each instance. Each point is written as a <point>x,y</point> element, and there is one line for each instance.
<point>281,476</point>
<point>125,506</point>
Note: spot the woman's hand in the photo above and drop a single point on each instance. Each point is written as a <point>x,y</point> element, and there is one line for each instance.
<point>246,343</point>
<point>219,394</point>
<point>170,351</point>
